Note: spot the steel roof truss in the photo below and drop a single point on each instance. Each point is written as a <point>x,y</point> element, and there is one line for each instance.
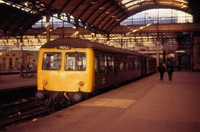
<point>101,5</point>
<point>76,7</point>
<point>87,8</point>
<point>109,14</point>
<point>113,15</point>
<point>65,5</point>
<point>103,11</point>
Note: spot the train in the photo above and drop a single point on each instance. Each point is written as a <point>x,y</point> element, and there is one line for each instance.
<point>70,69</point>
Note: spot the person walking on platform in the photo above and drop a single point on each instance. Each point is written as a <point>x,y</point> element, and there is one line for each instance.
<point>170,70</point>
<point>21,74</point>
<point>161,70</point>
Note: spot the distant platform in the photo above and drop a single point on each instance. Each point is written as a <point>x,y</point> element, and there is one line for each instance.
<point>14,81</point>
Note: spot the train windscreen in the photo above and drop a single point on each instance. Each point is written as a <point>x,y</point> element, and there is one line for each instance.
<point>51,61</point>
<point>75,61</point>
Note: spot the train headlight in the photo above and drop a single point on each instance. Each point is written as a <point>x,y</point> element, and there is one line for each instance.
<point>45,82</point>
<point>81,83</point>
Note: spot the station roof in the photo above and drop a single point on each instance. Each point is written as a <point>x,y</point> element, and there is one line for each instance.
<point>14,21</point>
<point>17,16</point>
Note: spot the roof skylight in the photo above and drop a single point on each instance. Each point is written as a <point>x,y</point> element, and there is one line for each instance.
<point>132,4</point>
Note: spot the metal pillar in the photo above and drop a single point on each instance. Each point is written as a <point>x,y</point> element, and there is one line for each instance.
<point>157,53</point>
<point>48,26</point>
<point>21,50</point>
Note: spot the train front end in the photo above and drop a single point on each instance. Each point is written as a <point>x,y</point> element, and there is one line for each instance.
<point>66,71</point>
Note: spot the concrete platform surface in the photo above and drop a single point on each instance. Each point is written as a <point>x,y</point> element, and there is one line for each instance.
<point>146,105</point>
<point>10,82</point>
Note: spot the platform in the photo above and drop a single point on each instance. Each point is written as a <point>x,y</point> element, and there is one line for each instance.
<point>146,105</point>
<point>13,81</point>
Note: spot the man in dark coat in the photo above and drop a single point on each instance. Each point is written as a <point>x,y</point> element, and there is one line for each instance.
<point>170,70</point>
<point>161,70</point>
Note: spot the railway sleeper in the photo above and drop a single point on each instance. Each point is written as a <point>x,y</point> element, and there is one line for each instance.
<point>22,116</point>
<point>19,107</point>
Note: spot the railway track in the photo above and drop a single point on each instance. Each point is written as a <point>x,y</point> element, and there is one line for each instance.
<point>21,109</point>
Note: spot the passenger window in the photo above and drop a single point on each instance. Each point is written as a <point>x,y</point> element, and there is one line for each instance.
<point>75,61</point>
<point>116,64</point>
<point>51,61</point>
<point>121,66</point>
<point>103,63</point>
<point>110,63</point>
<point>96,64</point>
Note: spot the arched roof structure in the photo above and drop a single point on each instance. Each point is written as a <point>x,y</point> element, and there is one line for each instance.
<point>95,15</point>
<point>14,21</point>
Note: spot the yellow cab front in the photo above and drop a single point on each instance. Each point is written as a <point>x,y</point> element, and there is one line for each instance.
<point>69,70</point>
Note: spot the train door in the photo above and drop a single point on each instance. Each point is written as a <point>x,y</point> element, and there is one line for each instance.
<point>116,67</point>
<point>100,69</point>
<point>144,65</point>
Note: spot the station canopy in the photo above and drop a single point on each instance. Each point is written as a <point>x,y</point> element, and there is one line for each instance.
<point>101,16</point>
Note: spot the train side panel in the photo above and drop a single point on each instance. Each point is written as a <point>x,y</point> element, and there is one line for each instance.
<point>112,68</point>
<point>150,65</point>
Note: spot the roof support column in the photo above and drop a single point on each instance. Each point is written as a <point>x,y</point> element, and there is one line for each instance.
<point>196,52</point>
<point>48,26</point>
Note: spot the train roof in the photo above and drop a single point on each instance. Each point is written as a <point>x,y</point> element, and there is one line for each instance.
<point>80,43</point>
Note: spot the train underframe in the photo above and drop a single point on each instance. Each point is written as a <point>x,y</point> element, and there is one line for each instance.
<point>58,100</point>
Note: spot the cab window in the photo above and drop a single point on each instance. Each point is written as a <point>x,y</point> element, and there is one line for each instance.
<point>51,61</point>
<point>75,61</point>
